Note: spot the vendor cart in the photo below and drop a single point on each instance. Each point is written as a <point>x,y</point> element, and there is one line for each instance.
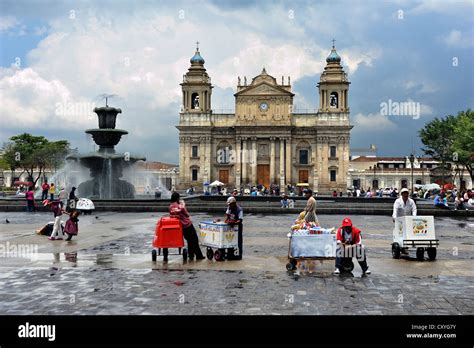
<point>414,232</point>
<point>168,234</point>
<point>313,244</point>
<point>219,236</point>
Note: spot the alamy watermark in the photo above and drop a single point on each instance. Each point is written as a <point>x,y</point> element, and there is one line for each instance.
<point>29,251</point>
<point>394,108</point>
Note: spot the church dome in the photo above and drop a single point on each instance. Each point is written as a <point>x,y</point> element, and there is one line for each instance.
<point>333,56</point>
<point>197,59</point>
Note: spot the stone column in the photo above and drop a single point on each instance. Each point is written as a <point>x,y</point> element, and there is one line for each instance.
<point>245,159</point>
<point>288,160</point>
<point>208,159</point>
<point>238,162</point>
<point>282,164</point>
<point>254,161</point>
<point>272,160</point>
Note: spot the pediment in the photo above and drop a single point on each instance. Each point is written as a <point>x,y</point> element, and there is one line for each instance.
<point>263,88</point>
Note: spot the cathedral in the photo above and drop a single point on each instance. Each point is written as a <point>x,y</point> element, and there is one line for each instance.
<point>265,141</point>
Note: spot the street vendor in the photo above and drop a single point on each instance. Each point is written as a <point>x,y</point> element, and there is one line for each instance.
<point>310,210</point>
<point>348,236</point>
<point>403,206</point>
<point>178,210</point>
<point>235,216</point>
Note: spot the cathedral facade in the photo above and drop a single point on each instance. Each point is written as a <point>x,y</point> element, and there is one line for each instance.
<point>265,141</point>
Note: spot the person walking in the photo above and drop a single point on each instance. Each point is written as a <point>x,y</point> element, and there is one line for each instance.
<point>310,210</point>
<point>178,210</point>
<point>45,190</point>
<point>57,212</point>
<point>403,206</point>
<point>234,216</point>
<point>30,200</point>
<point>52,192</point>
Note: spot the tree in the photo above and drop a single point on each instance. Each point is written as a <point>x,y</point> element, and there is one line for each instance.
<point>463,144</point>
<point>451,139</point>
<point>30,153</point>
<point>438,137</point>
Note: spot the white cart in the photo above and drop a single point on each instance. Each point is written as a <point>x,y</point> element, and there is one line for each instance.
<point>414,232</point>
<point>219,236</point>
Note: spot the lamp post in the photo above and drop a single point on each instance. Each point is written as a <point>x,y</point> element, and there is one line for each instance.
<point>412,159</point>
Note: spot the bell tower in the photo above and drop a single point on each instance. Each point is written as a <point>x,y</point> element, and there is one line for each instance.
<point>333,85</point>
<point>196,86</point>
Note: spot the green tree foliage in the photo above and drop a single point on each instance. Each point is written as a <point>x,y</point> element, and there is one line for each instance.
<point>30,153</point>
<point>450,139</point>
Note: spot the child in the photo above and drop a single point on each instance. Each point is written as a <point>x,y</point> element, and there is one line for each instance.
<point>52,191</point>
<point>72,226</point>
<point>57,212</point>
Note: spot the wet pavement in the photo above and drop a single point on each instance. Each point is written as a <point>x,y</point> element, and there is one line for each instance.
<point>107,269</point>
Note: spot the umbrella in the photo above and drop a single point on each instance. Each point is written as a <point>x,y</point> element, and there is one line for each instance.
<point>432,187</point>
<point>216,183</point>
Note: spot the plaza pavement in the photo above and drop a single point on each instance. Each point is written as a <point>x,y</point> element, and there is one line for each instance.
<point>107,269</point>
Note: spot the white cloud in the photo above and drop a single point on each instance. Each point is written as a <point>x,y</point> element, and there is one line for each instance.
<point>28,100</point>
<point>7,23</point>
<point>141,57</point>
<point>457,39</point>
<point>372,122</point>
<point>458,7</point>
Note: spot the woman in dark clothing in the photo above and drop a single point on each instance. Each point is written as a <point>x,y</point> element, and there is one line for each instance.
<point>71,204</point>
<point>178,210</point>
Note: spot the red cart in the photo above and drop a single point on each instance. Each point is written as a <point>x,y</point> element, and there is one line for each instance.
<point>168,234</point>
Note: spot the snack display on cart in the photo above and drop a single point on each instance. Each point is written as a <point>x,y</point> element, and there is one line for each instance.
<point>218,236</point>
<point>414,232</point>
<point>314,243</point>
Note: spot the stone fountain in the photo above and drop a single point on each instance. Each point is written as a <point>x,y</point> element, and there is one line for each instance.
<point>105,165</point>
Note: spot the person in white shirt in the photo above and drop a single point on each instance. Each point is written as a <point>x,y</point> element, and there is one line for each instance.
<point>403,206</point>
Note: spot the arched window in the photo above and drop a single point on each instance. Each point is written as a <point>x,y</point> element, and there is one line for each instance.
<point>195,101</point>
<point>333,100</point>
<point>404,183</point>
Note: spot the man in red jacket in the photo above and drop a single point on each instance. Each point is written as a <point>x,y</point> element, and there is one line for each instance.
<point>348,245</point>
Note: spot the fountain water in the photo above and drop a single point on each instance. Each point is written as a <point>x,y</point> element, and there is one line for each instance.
<point>105,165</point>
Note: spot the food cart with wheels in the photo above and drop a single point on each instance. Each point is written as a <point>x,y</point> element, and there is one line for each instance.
<point>414,232</point>
<point>219,236</point>
<point>314,244</point>
<point>168,234</point>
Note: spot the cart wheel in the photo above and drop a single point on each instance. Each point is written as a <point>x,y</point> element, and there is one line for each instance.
<point>185,254</point>
<point>396,250</point>
<point>420,254</point>
<point>209,253</point>
<point>165,254</point>
<point>348,265</point>
<point>153,255</point>
<point>431,253</point>
<point>219,255</point>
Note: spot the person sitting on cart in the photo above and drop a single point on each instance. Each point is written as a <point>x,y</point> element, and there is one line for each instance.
<point>178,210</point>
<point>349,236</point>
<point>403,206</point>
<point>235,216</point>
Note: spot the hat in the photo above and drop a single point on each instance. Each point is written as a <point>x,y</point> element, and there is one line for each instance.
<point>231,200</point>
<point>45,202</point>
<point>346,222</point>
<point>404,190</point>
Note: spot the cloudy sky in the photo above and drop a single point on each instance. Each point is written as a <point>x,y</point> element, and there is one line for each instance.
<point>58,55</point>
